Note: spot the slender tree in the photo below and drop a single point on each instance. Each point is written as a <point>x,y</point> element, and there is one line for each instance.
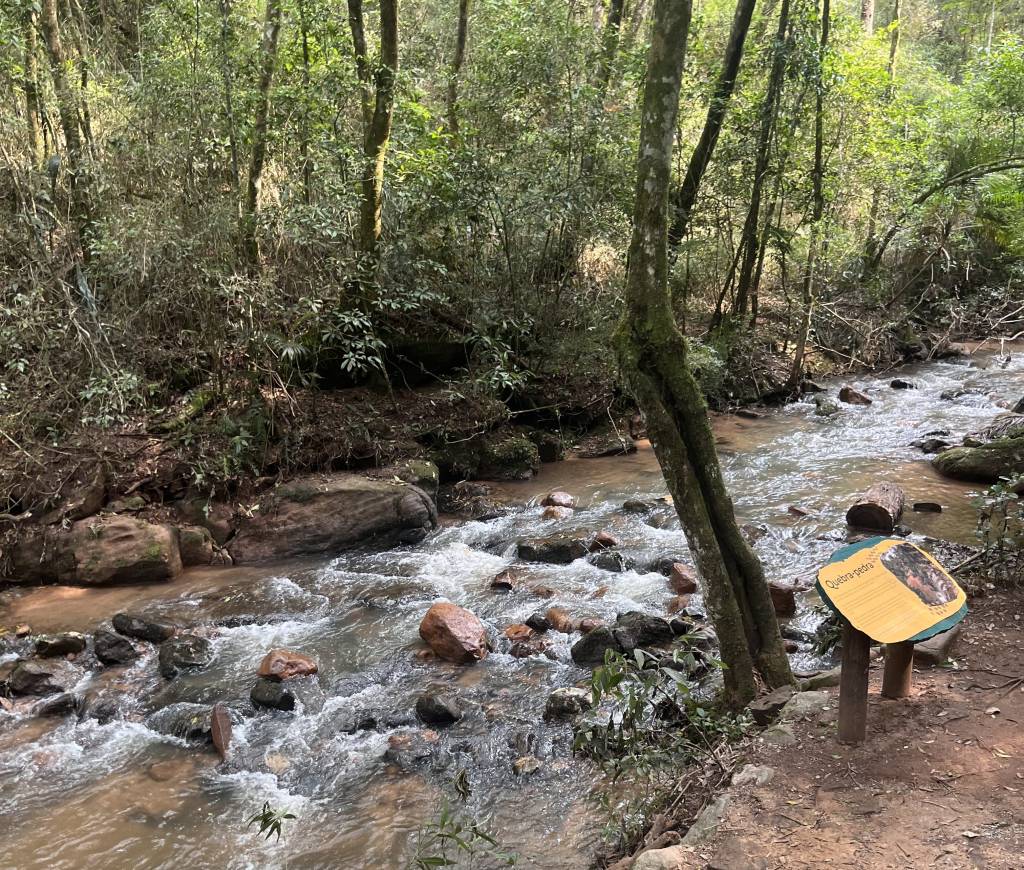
<point>377,86</point>
<point>30,86</point>
<point>686,195</point>
<point>458,56</point>
<point>808,294</point>
<point>268,60</point>
<point>867,16</point>
<point>653,358</point>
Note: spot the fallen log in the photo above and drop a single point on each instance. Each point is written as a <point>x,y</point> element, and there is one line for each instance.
<point>878,510</point>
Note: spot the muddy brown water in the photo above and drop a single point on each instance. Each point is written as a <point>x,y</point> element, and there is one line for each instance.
<point>118,794</point>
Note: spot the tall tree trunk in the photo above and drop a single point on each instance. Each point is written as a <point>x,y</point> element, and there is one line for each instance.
<point>78,34</point>
<point>818,207</point>
<point>686,196</point>
<point>307,162</point>
<point>378,102</point>
<point>749,240</point>
<point>67,108</point>
<point>268,60</point>
<point>652,355</point>
<point>867,16</point>
<point>30,87</point>
<point>229,99</point>
<point>461,33</point>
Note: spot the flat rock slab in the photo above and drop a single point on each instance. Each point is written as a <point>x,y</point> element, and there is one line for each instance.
<point>805,705</point>
<point>330,513</point>
<point>708,820</point>
<point>936,650</point>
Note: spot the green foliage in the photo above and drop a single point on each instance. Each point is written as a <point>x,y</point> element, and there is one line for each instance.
<point>451,839</point>
<point>270,820</point>
<point>1000,530</point>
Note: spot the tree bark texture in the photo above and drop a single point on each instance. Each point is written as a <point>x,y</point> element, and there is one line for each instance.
<point>458,57</point>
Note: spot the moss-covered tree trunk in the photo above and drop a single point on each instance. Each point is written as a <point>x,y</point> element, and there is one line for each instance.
<point>268,60</point>
<point>652,355</point>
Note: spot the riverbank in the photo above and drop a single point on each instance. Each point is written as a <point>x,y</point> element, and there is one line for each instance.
<point>937,783</point>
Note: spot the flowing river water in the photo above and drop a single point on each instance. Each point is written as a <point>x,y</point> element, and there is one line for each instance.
<point>77,793</point>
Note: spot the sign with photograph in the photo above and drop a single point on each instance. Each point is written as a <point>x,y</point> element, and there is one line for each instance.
<point>891,590</point>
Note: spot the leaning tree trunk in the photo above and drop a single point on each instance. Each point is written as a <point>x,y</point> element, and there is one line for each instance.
<point>268,60</point>
<point>652,355</point>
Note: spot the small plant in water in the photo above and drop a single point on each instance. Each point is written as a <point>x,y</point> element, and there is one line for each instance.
<point>451,839</point>
<point>270,820</point>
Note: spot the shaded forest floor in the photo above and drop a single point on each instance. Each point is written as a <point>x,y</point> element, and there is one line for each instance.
<point>938,783</point>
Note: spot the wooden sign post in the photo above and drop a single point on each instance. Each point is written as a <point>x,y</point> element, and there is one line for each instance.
<point>888,591</point>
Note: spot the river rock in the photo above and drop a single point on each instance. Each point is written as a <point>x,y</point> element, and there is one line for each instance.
<point>184,652</point>
<point>927,507</point>
<point>984,464</point>
<point>330,513</point>
<point>405,750</point>
<point>783,599</point>
<point>454,633</point>
<point>43,677</point>
<point>667,858</point>
<point>554,512</point>
<point>60,705</point>
<point>63,644</point>
<point>853,397</point>
<point>188,721</point>
<point>217,518</point>
<point>196,545</point>
<point>526,765</point>
<point>567,702</point>
<point>507,580</point>
<point>273,694</point>
<point>112,649</point>
<point>900,384</point>
<point>519,632</point>
<point>682,579</point>
<point>633,629</point>
<point>636,506</point>
<point>538,621</point>
<point>1008,425</point>
<point>809,386</point>
<point>284,664</point>
<point>767,708</point>
<point>930,445</point>
<point>558,549</point>
<point>99,551</point>
<point>825,407</point>
<point>437,707</point>
<point>221,730</point>
<point>559,499</point>
<point>142,628</point>
<point>589,650</point>
<point>603,540</point>
<point>558,618</point>
<point>588,624</point>
<point>611,560</point>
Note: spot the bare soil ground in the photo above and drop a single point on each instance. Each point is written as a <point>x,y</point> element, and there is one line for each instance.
<point>938,783</point>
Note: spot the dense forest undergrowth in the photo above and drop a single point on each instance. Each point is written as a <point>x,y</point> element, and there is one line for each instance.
<point>247,239</point>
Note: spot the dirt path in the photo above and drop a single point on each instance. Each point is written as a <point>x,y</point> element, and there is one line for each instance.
<point>939,782</point>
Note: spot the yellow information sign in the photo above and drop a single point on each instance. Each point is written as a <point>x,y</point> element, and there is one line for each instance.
<point>891,590</point>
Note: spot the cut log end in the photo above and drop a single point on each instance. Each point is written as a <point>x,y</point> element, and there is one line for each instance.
<point>879,509</point>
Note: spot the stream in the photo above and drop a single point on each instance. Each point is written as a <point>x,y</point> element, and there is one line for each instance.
<point>114,793</point>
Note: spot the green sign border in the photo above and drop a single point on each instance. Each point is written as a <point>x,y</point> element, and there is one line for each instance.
<point>849,550</point>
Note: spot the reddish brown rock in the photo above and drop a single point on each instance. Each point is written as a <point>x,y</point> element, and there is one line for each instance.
<point>559,499</point>
<point>678,604</point>
<point>603,541</point>
<point>283,664</point>
<point>220,730</point>
<point>682,580</point>
<point>560,620</point>
<point>454,633</point>
<point>542,591</point>
<point>783,599</point>
<point>853,397</point>
<point>519,632</point>
<point>588,624</point>
<point>507,580</point>
<point>555,512</point>
<point>791,646</point>
<point>600,592</point>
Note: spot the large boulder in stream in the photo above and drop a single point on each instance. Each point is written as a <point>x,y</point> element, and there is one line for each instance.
<point>984,464</point>
<point>330,513</point>
<point>558,549</point>
<point>43,677</point>
<point>99,551</point>
<point>453,633</point>
<point>186,652</point>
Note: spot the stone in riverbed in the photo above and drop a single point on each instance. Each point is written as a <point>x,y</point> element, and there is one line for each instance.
<point>783,599</point>
<point>184,652</point>
<point>853,397</point>
<point>554,512</point>
<point>900,384</point>
<point>635,629</point>
<point>66,643</point>
<point>454,633</point>
<point>273,694</point>
<point>437,707</point>
<point>61,705</point>
<point>554,549</point>
<point>188,721</point>
<point>986,463</point>
<point>221,730</point>
<point>112,649</point>
<point>507,580</point>
<point>558,618</point>
<point>517,632</point>
<point>589,650</point>
<point>825,407</point>
<point>682,579</point>
<point>603,540</point>
<point>567,702</point>
<point>588,624</point>
<point>538,621</point>
<point>196,545</point>
<point>48,677</point>
<point>284,664</point>
<point>142,628</point>
<point>559,499</point>
<point>610,560</point>
<point>927,507</point>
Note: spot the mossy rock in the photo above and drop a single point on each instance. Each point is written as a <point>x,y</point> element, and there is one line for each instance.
<point>495,456</point>
<point>984,464</point>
